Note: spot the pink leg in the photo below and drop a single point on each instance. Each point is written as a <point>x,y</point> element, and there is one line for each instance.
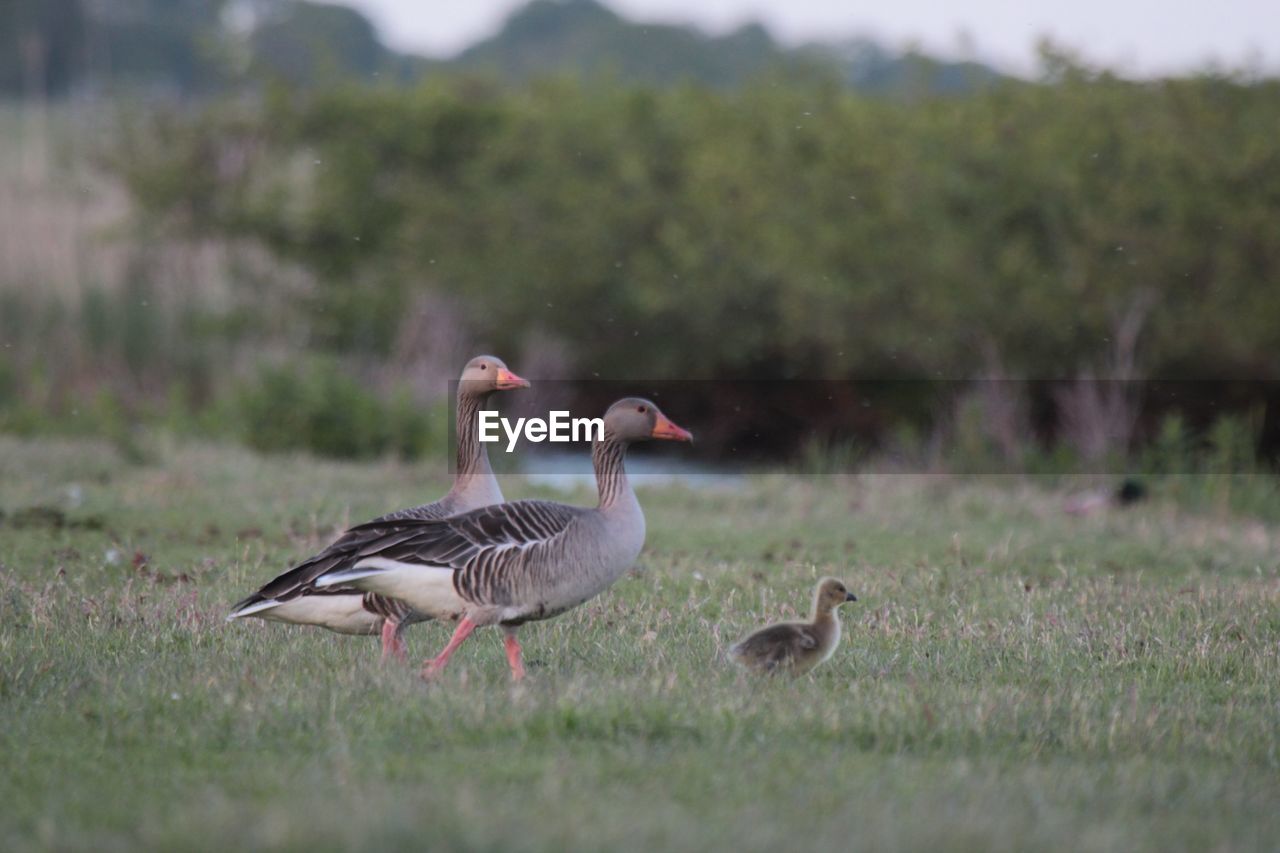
<point>514,655</point>
<point>432,667</point>
<point>392,643</point>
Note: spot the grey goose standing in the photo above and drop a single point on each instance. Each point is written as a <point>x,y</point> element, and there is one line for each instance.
<point>516,562</point>
<point>797,647</point>
<point>293,596</point>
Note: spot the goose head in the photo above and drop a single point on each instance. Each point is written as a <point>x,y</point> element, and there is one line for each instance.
<point>830,594</point>
<point>636,419</point>
<point>485,374</point>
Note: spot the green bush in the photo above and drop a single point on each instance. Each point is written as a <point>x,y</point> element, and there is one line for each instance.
<point>1218,469</point>
<point>319,408</point>
<point>836,235</point>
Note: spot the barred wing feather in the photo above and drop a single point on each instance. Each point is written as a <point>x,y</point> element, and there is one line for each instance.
<point>458,541</point>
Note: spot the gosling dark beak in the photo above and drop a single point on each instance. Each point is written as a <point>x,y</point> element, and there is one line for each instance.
<point>850,597</point>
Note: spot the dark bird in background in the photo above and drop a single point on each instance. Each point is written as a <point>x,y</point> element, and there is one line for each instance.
<point>1130,492</point>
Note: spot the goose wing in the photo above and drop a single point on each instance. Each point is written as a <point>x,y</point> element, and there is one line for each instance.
<point>425,512</point>
<point>506,554</point>
<point>300,579</point>
<point>461,540</point>
<point>776,645</point>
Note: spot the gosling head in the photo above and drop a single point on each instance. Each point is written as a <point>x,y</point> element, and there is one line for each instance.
<point>830,594</point>
<point>636,419</point>
<point>485,374</point>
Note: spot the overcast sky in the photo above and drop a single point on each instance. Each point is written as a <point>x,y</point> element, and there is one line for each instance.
<point>1135,36</point>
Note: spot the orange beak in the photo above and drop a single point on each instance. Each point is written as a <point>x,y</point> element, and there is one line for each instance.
<point>508,381</point>
<point>665,429</point>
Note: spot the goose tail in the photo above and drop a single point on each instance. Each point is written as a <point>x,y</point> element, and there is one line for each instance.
<point>251,606</point>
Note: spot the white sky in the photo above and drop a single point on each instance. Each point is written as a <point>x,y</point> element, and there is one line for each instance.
<point>1134,36</point>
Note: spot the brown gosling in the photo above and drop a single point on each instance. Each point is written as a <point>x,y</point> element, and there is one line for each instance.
<point>797,647</point>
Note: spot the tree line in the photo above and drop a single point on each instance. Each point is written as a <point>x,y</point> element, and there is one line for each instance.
<point>1086,225</point>
<point>776,230</point>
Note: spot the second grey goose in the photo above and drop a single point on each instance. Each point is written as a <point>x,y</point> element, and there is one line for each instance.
<point>294,597</point>
<point>515,562</point>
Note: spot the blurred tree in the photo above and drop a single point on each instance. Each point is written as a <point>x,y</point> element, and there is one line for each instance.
<point>42,44</point>
<point>307,43</point>
<point>783,230</point>
<point>195,47</point>
<point>168,45</point>
<point>586,37</point>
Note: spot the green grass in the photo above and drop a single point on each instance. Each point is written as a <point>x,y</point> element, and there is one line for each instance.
<point>1012,678</point>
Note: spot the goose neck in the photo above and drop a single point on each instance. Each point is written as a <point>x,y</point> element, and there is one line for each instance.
<point>608,457</point>
<point>473,469</point>
<point>822,611</point>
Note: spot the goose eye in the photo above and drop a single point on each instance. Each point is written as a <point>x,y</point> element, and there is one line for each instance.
<point>484,367</point>
<point>642,409</point>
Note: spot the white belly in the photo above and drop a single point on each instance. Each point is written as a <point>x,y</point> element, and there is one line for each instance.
<point>427,589</point>
<point>342,613</point>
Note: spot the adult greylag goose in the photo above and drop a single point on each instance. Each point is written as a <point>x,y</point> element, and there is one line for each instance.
<point>293,596</point>
<point>797,647</point>
<point>515,562</point>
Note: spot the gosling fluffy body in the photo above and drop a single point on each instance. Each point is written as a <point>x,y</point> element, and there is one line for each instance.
<point>797,647</point>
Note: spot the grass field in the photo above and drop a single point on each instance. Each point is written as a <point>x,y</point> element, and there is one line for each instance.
<point>1011,678</point>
